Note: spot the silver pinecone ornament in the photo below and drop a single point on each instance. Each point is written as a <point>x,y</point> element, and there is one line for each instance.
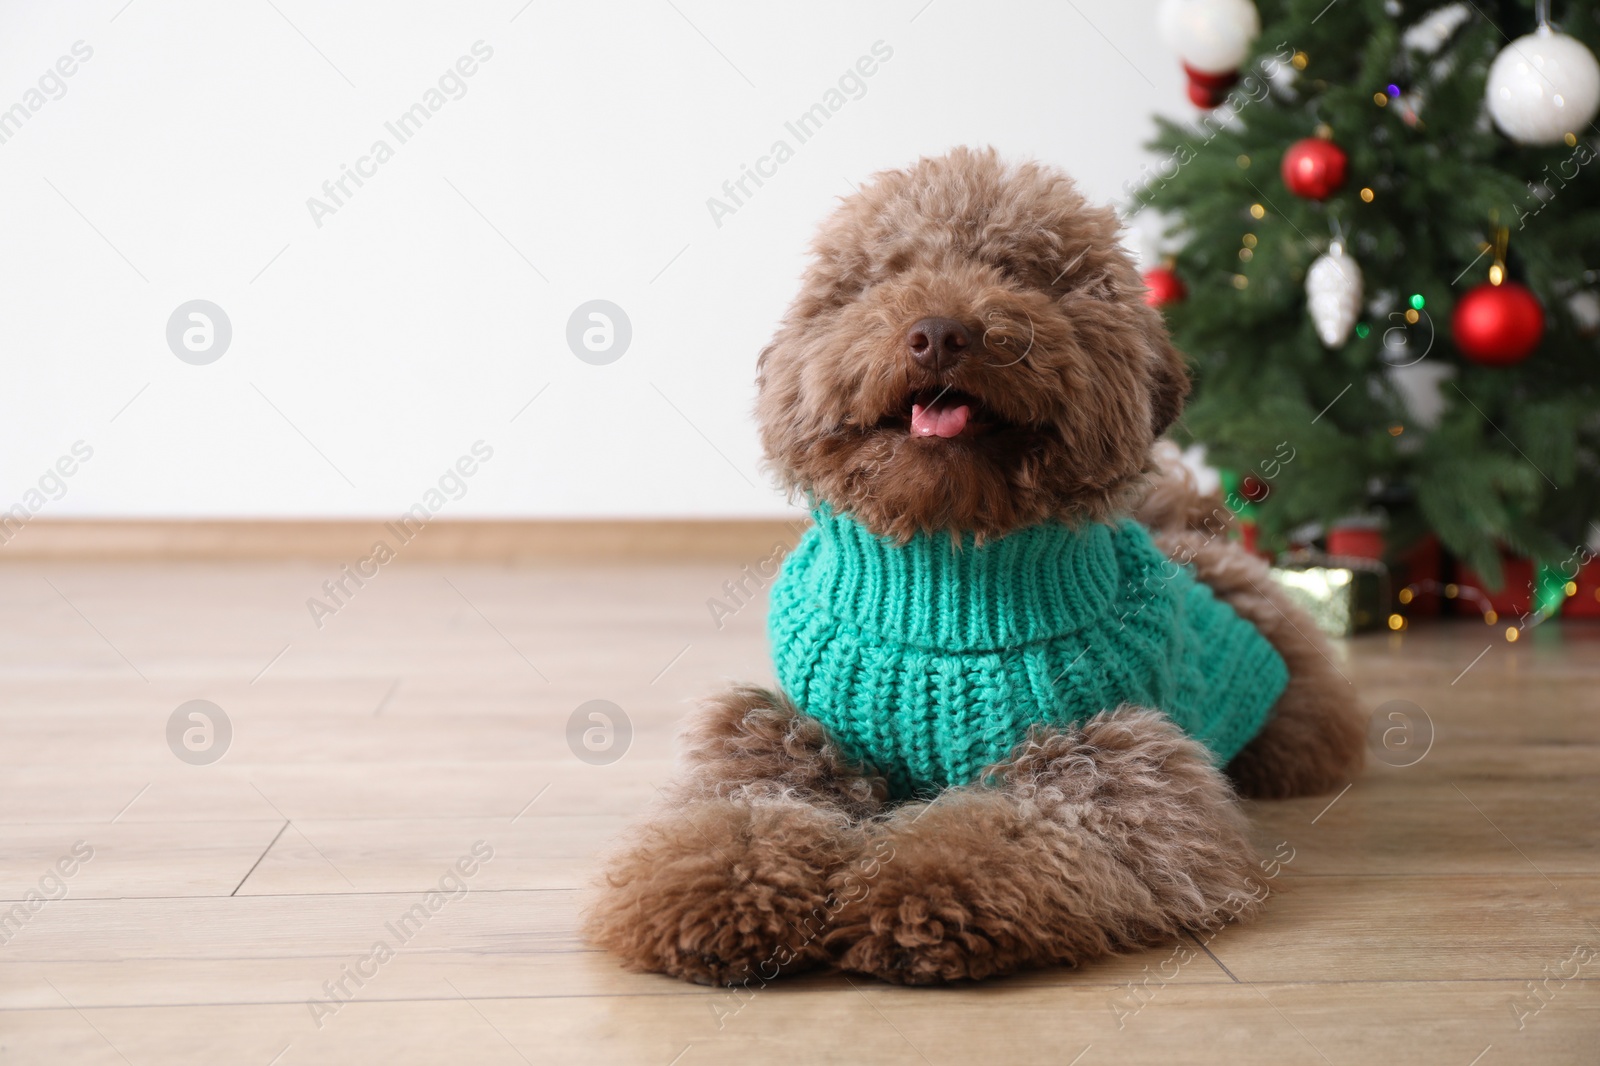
<point>1333,293</point>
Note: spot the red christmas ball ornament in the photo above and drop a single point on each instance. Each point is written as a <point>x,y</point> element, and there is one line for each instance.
<point>1498,325</point>
<point>1314,168</point>
<point>1164,287</point>
<point>1253,488</point>
<point>1209,90</point>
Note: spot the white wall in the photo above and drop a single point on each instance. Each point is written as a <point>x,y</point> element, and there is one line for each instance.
<point>178,163</point>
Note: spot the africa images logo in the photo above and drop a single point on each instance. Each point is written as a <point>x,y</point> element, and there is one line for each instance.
<point>451,485</point>
<point>852,85</point>
<point>451,85</point>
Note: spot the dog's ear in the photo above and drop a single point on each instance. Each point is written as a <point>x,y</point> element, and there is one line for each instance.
<point>777,399</point>
<point>1169,375</point>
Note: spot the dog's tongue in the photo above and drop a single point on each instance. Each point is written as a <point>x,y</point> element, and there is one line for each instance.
<point>938,420</point>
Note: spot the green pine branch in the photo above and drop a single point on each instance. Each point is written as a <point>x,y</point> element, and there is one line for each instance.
<point>1514,459</point>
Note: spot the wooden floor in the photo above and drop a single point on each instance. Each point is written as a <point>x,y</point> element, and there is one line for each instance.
<point>1442,912</point>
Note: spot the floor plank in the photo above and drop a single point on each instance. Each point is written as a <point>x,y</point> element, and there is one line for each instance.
<point>1414,913</point>
<point>1249,1025</point>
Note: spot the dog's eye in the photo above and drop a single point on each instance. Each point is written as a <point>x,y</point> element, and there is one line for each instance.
<point>1068,276</point>
<point>1033,274</point>
<point>1018,271</point>
<point>1098,286</point>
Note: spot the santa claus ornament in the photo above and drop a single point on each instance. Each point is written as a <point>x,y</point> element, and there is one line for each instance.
<point>1314,168</point>
<point>1543,87</point>
<point>1212,38</point>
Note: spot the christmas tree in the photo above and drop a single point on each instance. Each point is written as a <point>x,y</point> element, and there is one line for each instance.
<point>1392,391</point>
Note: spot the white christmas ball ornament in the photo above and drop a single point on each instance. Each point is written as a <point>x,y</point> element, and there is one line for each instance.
<point>1333,294</point>
<point>1211,36</point>
<point>1542,87</point>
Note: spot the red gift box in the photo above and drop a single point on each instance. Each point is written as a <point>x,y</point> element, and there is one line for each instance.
<point>1356,542</point>
<point>1514,598</point>
<point>1585,603</point>
<point>1420,568</point>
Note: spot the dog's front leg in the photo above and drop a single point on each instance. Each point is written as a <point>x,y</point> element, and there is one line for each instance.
<point>752,743</point>
<point>727,882</point>
<point>1085,842</point>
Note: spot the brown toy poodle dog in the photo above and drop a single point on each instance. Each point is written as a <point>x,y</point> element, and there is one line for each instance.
<point>1013,721</point>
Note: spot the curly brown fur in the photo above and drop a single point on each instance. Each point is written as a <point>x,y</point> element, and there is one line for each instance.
<point>751,742</point>
<point>723,892</point>
<point>1314,740</point>
<point>773,853</point>
<point>1071,377</point>
<point>1171,500</point>
<point>727,881</point>
<point>1097,839</point>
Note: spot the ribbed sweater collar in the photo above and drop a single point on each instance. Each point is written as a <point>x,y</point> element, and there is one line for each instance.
<point>1033,584</point>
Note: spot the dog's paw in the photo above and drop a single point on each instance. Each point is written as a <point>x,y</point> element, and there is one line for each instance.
<point>952,894</point>
<point>920,934</point>
<point>1137,796</point>
<point>1106,839</point>
<point>723,893</point>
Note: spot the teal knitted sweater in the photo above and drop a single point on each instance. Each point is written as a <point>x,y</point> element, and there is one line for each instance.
<point>929,661</point>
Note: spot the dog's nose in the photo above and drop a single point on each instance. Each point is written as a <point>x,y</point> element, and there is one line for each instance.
<point>938,343</point>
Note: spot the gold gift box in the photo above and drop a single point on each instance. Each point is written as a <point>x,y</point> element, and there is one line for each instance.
<point>1343,595</point>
